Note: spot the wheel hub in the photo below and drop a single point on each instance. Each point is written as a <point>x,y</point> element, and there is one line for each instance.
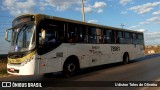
<point>71,67</point>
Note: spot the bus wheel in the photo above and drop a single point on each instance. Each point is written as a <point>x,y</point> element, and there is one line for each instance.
<point>48,75</point>
<point>125,58</point>
<point>70,68</point>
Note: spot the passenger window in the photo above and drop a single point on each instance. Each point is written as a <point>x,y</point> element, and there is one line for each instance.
<point>134,38</point>
<point>127,38</point>
<point>76,33</point>
<point>72,33</point>
<point>51,35</point>
<point>119,37</point>
<point>140,39</point>
<point>107,36</point>
<point>95,35</point>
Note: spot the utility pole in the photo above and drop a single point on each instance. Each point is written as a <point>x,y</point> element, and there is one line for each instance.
<point>122,25</point>
<point>83,13</point>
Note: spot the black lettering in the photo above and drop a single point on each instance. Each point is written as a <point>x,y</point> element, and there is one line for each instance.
<point>115,48</point>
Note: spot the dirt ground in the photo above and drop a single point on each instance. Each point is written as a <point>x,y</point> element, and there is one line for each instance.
<point>152,49</point>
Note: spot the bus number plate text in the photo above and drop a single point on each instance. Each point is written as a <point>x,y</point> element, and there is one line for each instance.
<point>115,48</point>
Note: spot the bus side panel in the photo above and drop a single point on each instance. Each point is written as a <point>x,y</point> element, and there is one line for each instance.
<point>81,51</point>
<point>106,54</point>
<point>37,65</point>
<point>127,48</point>
<point>109,55</point>
<point>52,61</point>
<point>134,51</point>
<point>137,52</point>
<point>88,55</point>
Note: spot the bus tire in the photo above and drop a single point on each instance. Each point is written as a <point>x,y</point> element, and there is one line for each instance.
<point>125,58</point>
<point>70,67</point>
<point>47,75</point>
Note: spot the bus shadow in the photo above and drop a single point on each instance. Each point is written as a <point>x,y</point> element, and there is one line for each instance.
<point>81,72</point>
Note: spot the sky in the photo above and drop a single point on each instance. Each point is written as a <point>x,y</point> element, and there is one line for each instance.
<point>138,15</point>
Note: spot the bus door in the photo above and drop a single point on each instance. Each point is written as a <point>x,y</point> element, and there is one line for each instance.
<point>50,59</point>
<point>42,65</point>
<point>50,37</point>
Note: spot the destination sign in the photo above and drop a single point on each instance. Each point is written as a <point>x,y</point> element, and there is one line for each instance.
<point>23,20</point>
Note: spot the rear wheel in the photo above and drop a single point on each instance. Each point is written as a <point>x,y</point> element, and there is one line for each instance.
<point>125,58</point>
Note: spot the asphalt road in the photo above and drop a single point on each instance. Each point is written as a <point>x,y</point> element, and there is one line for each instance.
<point>99,78</point>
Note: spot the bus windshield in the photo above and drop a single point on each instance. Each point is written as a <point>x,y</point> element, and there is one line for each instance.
<point>23,38</point>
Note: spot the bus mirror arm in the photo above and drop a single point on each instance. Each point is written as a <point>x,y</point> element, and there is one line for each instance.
<point>6,36</point>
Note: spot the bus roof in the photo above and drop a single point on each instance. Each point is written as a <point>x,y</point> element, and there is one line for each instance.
<point>80,22</point>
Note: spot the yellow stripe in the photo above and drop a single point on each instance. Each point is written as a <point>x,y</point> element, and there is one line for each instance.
<point>20,60</point>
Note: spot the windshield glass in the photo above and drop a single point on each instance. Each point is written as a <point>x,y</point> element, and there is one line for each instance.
<point>23,38</point>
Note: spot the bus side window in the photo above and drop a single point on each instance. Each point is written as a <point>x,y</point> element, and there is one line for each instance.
<point>134,38</point>
<point>140,39</point>
<point>95,35</point>
<point>107,36</point>
<point>72,33</point>
<point>92,35</point>
<point>82,34</point>
<point>77,33</point>
<point>122,39</point>
<point>99,35</point>
<point>127,38</point>
<point>119,37</point>
<point>51,35</point>
<point>113,37</point>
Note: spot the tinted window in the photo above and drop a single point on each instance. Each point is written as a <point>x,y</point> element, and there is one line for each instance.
<point>50,35</point>
<point>140,39</point>
<point>127,38</point>
<point>77,33</point>
<point>95,35</point>
<point>107,36</point>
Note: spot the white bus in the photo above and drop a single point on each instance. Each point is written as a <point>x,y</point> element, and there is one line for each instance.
<point>43,44</point>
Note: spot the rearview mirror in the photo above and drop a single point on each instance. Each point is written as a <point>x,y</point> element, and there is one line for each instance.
<point>6,36</point>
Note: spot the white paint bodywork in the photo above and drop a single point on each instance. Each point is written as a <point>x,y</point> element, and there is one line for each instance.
<point>87,55</point>
<point>26,69</point>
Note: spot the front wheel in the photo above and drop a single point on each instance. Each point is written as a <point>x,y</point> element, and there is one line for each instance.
<point>70,68</point>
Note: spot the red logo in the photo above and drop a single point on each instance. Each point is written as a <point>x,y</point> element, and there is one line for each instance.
<point>11,69</point>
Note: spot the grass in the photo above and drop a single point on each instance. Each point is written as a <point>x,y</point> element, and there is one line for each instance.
<point>3,68</point>
<point>3,65</point>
